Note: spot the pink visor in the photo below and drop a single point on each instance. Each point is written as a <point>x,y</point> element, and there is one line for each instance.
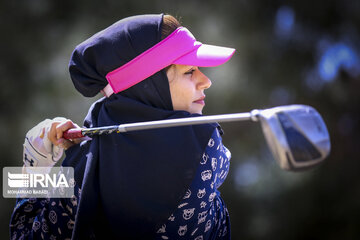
<point>180,47</point>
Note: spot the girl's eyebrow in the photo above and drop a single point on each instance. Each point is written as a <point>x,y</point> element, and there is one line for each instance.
<point>192,68</point>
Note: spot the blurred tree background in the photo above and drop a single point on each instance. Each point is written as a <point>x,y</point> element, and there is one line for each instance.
<point>288,52</point>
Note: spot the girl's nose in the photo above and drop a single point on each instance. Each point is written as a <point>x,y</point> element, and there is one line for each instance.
<point>203,82</point>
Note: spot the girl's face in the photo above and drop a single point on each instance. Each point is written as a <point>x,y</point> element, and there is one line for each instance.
<point>187,85</point>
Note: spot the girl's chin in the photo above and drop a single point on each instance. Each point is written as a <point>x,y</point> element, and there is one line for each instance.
<point>196,110</point>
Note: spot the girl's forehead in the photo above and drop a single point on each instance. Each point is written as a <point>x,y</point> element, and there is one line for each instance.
<point>183,67</point>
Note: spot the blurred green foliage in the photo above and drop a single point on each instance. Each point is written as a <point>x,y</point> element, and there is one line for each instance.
<point>287,52</point>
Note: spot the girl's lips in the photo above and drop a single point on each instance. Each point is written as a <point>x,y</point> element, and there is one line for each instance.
<point>200,101</point>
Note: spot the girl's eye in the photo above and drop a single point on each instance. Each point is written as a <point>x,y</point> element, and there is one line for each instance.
<point>190,71</point>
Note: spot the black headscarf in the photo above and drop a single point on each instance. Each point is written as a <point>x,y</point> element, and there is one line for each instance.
<point>130,182</point>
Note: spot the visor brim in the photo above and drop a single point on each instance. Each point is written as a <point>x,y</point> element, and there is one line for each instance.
<point>206,56</point>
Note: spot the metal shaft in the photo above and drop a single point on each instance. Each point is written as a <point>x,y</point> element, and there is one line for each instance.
<point>184,121</point>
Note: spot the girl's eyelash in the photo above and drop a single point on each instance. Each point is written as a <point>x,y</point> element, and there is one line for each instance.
<point>190,72</point>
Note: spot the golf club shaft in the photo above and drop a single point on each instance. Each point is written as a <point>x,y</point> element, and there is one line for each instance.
<point>82,132</point>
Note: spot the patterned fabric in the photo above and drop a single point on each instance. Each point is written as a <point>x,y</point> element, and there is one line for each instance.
<point>44,218</point>
<point>202,213</point>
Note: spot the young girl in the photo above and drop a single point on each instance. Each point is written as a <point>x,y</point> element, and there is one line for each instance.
<point>152,184</point>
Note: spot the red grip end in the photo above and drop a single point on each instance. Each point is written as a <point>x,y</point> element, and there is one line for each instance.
<point>72,134</point>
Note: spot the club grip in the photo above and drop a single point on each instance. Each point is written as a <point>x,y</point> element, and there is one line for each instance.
<point>73,134</point>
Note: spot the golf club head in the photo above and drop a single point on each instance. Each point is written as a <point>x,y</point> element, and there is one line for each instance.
<point>296,134</point>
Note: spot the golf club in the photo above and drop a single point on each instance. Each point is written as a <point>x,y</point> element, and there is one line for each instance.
<point>296,134</point>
